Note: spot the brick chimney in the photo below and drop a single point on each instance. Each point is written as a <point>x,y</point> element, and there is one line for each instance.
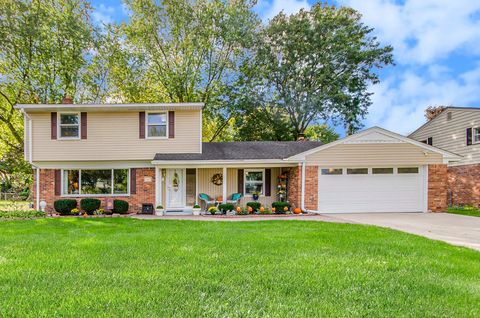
<point>67,100</point>
<point>301,137</point>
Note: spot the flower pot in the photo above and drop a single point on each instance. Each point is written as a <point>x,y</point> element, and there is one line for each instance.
<point>159,212</point>
<point>196,211</point>
<point>255,197</point>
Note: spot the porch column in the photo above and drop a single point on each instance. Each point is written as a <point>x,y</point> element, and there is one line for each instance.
<point>224,184</point>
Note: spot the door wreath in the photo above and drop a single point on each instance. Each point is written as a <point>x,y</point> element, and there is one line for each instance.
<point>217,179</point>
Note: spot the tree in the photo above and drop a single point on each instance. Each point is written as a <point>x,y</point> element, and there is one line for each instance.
<point>317,65</point>
<point>433,111</point>
<point>321,133</point>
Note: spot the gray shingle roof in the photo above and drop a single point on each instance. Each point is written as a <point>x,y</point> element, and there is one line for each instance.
<point>241,150</point>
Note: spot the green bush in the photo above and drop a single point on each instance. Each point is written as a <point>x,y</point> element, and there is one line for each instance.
<point>254,205</point>
<point>65,206</point>
<point>120,206</point>
<point>89,205</point>
<point>280,206</point>
<point>226,207</point>
<point>28,214</point>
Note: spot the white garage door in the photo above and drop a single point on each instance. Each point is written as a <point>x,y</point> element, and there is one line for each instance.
<point>355,190</point>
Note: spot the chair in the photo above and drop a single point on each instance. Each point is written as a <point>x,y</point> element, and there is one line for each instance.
<point>207,200</point>
<point>235,199</point>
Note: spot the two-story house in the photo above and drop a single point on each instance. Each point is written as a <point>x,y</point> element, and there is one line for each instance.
<point>154,154</point>
<point>457,130</point>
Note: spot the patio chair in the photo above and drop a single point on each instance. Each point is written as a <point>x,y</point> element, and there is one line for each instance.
<point>207,200</point>
<point>235,199</point>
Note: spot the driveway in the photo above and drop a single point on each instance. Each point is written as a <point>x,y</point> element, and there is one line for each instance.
<point>451,228</point>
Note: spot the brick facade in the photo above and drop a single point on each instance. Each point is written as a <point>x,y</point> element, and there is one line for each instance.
<point>295,187</point>
<point>311,188</point>
<point>145,190</point>
<point>437,188</point>
<point>463,185</point>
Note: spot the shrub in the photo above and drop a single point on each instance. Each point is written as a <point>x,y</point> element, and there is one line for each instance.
<point>280,207</point>
<point>28,214</point>
<point>89,205</point>
<point>120,206</point>
<point>254,205</point>
<point>226,207</point>
<point>196,206</point>
<point>65,206</point>
<point>159,207</point>
<point>265,211</point>
<point>212,210</point>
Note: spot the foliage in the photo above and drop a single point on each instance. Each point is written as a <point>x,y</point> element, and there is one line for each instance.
<point>322,133</point>
<point>89,205</point>
<point>19,214</point>
<point>464,210</point>
<point>226,207</point>
<point>65,206</point>
<point>121,206</point>
<point>280,207</point>
<point>433,111</point>
<point>212,210</point>
<point>196,206</point>
<point>241,211</point>
<point>159,207</point>
<point>254,205</point>
<point>265,211</point>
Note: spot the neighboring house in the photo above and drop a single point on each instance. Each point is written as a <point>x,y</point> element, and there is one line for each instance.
<point>154,154</point>
<point>457,129</point>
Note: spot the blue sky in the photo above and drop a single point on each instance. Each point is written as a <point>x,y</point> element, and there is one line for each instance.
<point>436,49</point>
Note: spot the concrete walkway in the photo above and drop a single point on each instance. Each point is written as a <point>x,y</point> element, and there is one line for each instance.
<point>305,217</point>
<point>455,229</point>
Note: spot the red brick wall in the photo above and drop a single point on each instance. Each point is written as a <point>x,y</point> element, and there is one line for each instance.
<point>463,185</point>
<point>295,186</point>
<point>145,190</point>
<point>437,188</point>
<point>311,188</point>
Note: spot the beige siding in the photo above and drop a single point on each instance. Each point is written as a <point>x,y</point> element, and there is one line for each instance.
<point>26,136</point>
<point>450,135</point>
<point>206,186</point>
<point>115,136</point>
<point>369,155</point>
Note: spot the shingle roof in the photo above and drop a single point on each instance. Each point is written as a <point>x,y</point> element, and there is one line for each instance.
<point>243,150</point>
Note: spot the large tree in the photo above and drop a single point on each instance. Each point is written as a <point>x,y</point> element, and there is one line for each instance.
<point>315,65</point>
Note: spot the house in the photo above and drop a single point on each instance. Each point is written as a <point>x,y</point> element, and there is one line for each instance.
<point>457,130</point>
<point>154,154</point>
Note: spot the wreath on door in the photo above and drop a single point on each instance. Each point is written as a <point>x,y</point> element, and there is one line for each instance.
<point>217,179</point>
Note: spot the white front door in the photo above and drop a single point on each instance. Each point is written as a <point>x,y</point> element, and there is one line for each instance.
<point>175,185</point>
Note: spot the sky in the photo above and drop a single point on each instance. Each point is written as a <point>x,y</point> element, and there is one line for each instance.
<point>436,50</point>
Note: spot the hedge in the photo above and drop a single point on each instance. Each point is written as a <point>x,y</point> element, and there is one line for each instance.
<point>65,206</point>
<point>226,207</point>
<point>120,206</point>
<point>280,207</point>
<point>254,205</point>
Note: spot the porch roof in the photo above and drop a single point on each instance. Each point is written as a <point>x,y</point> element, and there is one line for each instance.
<point>242,150</point>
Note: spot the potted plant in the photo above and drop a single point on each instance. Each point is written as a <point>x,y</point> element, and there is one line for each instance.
<point>212,210</point>
<point>196,209</point>
<point>256,195</point>
<point>159,210</point>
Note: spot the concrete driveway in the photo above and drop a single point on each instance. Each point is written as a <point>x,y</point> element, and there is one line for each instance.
<point>452,228</point>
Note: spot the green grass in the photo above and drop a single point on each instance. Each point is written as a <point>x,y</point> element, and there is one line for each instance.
<point>108,267</point>
<point>14,205</point>
<point>470,211</point>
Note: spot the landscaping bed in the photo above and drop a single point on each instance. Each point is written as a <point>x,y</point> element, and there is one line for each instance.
<point>84,267</point>
<point>465,210</point>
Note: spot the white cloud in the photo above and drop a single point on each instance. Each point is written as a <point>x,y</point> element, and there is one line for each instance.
<point>103,14</point>
<point>269,9</point>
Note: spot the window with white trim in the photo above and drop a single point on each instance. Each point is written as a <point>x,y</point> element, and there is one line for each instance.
<point>476,135</point>
<point>96,182</point>
<point>156,125</point>
<point>69,125</point>
<point>332,171</point>
<point>254,181</point>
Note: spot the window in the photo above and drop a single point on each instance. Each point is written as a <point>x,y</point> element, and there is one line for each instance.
<point>69,126</point>
<point>428,141</point>
<point>357,171</point>
<point>254,181</point>
<point>331,171</point>
<point>96,182</point>
<point>156,125</point>
<point>382,170</point>
<point>408,170</point>
<point>476,135</point>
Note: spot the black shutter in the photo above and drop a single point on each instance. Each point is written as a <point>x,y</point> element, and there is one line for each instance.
<point>58,182</point>
<point>268,182</point>
<point>171,124</point>
<point>53,125</point>
<point>430,141</point>
<point>133,181</point>
<point>469,136</point>
<point>240,181</point>
<point>83,124</point>
<point>141,125</point>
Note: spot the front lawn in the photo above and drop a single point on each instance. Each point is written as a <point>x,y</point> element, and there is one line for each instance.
<point>466,210</point>
<point>126,267</point>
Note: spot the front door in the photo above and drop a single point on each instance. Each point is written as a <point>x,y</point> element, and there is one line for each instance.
<point>175,185</point>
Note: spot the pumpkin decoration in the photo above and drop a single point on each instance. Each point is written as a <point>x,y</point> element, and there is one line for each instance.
<point>250,210</point>
<point>297,211</point>
<point>239,209</point>
<point>274,210</point>
<point>262,209</point>
<point>285,209</point>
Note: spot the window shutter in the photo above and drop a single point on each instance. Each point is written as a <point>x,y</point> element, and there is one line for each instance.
<point>58,182</point>
<point>171,124</point>
<point>430,141</point>
<point>83,124</point>
<point>469,136</point>
<point>133,181</point>
<point>240,181</point>
<point>268,182</point>
<point>141,120</point>
<point>53,125</point>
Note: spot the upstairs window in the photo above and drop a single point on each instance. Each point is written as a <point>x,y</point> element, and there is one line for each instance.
<point>69,126</point>
<point>156,125</point>
<point>476,135</point>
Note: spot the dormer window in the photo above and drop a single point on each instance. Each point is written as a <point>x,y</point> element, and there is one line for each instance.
<point>156,125</point>
<point>69,126</point>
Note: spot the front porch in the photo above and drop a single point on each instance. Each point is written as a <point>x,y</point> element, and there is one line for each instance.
<point>178,188</point>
